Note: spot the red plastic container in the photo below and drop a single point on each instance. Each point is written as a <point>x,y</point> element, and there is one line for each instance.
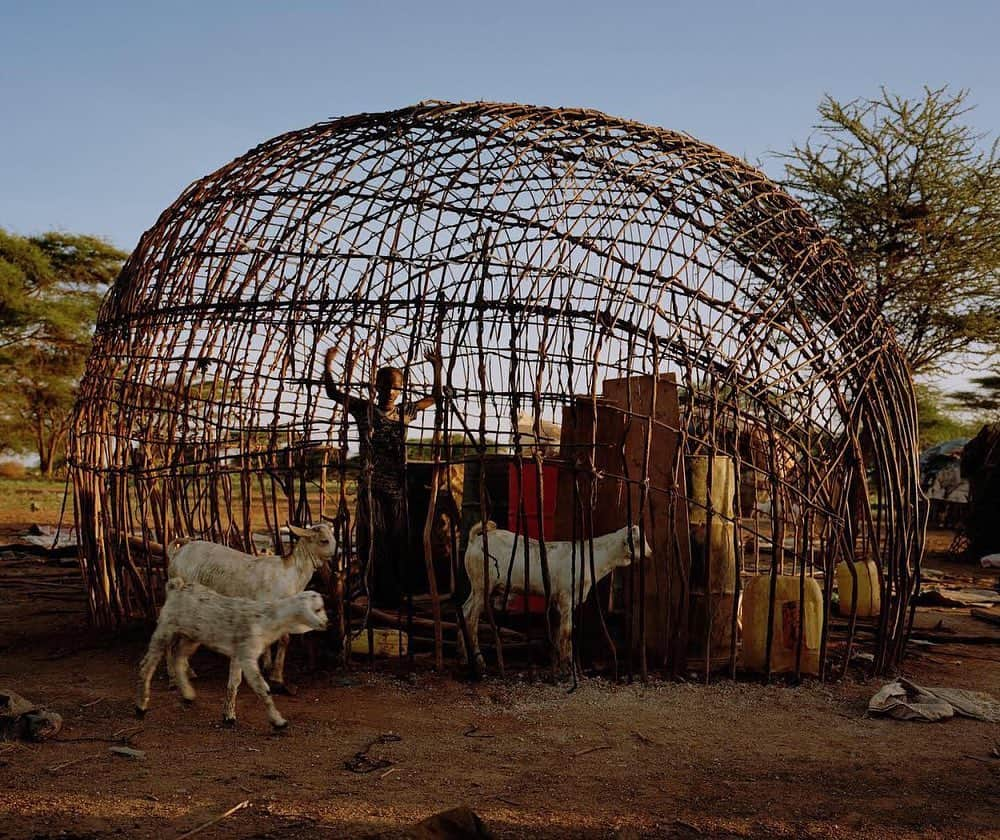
<point>527,488</point>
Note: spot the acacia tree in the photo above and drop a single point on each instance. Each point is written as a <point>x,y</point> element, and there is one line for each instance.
<point>983,399</point>
<point>939,419</point>
<point>50,289</point>
<point>910,191</point>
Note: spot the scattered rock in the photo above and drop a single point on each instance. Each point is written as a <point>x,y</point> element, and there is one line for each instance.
<point>128,752</point>
<point>461,823</point>
<point>24,720</point>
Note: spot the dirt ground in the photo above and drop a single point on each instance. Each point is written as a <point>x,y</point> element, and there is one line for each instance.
<point>532,759</point>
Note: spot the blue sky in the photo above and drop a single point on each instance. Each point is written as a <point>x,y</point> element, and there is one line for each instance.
<point>111,109</point>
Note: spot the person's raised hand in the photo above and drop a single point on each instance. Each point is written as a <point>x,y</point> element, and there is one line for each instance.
<point>433,356</point>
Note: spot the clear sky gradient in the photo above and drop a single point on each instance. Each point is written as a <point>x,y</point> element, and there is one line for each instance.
<point>109,109</point>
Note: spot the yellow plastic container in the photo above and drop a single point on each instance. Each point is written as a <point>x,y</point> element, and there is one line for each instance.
<point>713,585</point>
<point>789,615</point>
<point>385,643</point>
<point>869,594</point>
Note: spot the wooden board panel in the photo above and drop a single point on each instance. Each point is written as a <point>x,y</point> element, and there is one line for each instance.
<point>665,572</point>
<point>610,434</point>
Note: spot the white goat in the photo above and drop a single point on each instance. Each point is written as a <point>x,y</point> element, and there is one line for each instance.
<point>610,551</point>
<point>240,628</point>
<point>261,578</point>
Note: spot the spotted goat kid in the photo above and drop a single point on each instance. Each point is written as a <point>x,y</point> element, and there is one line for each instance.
<point>263,578</point>
<point>239,628</point>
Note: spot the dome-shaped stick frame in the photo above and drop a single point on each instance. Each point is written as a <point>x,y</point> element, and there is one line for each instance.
<point>592,306</point>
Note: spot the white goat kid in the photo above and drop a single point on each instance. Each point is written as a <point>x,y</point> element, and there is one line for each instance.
<point>239,628</point>
<point>261,578</point>
<point>610,551</point>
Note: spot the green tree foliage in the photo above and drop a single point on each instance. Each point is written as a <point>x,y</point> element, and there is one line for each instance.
<point>422,448</point>
<point>908,189</point>
<point>937,421</point>
<point>50,289</point>
<point>984,399</point>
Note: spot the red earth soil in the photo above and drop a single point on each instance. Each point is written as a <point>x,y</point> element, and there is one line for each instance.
<point>532,759</point>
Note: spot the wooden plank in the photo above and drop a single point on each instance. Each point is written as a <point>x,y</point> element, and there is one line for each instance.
<point>590,440</point>
<point>609,435</point>
<point>665,517</point>
<point>989,616</point>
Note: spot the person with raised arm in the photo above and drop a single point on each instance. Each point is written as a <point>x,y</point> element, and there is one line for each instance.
<point>382,427</point>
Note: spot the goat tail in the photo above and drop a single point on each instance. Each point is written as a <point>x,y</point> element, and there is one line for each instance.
<point>477,528</point>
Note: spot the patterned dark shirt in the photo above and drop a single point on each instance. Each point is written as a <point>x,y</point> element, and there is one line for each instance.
<point>387,455</point>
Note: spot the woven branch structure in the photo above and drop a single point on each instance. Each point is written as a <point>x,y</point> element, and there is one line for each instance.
<point>597,305</point>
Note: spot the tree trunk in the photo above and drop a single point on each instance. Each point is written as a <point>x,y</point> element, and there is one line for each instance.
<point>45,462</point>
<point>44,452</point>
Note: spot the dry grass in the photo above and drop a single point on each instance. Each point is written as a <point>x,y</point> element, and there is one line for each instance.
<point>31,499</point>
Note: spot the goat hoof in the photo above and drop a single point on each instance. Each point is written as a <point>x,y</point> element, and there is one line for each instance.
<point>286,689</point>
<point>280,727</point>
<point>187,701</point>
<point>229,723</point>
<point>140,713</point>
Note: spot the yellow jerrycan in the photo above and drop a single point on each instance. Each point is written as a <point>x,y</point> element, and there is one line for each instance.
<point>713,559</point>
<point>869,594</point>
<point>789,616</point>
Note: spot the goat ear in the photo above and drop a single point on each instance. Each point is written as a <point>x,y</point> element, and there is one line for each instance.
<point>299,532</point>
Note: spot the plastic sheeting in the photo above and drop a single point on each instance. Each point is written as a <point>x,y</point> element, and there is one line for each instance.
<point>905,700</point>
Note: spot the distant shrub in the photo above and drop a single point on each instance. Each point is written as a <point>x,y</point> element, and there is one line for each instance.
<point>12,469</point>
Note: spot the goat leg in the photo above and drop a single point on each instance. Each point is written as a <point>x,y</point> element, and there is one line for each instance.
<point>257,683</point>
<point>183,649</point>
<point>157,647</point>
<point>232,686</point>
<point>277,676</point>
